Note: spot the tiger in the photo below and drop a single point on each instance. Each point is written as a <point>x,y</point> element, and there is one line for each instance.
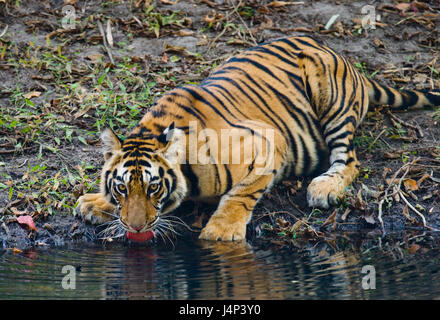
<point>298,100</point>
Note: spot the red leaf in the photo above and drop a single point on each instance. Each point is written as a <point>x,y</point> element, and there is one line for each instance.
<point>27,220</point>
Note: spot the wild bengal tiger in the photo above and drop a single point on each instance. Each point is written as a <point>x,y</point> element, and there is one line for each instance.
<point>294,101</point>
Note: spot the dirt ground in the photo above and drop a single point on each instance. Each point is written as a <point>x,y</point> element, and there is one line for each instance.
<point>60,86</point>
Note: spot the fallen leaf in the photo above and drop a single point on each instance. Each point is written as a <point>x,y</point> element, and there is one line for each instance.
<point>27,220</point>
<point>369,218</point>
<point>17,212</point>
<point>419,5</point>
<point>403,6</point>
<point>278,4</point>
<point>405,212</point>
<point>296,226</point>
<point>358,204</point>
<point>410,184</point>
<point>331,219</point>
<point>423,178</point>
<point>32,94</point>
<point>184,33</point>
<point>49,227</point>
<point>391,155</point>
<point>413,248</point>
<point>346,213</point>
<point>95,57</point>
<point>109,33</point>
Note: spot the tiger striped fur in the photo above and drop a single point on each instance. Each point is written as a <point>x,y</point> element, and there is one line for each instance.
<point>309,96</point>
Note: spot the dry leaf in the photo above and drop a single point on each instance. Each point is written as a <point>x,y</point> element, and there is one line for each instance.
<point>403,6</point>
<point>331,219</point>
<point>423,178</point>
<point>277,4</point>
<point>297,225</point>
<point>410,184</point>
<point>184,33</point>
<point>109,33</point>
<point>369,218</point>
<point>95,57</point>
<point>346,213</point>
<point>405,212</point>
<point>27,220</point>
<point>391,155</point>
<point>17,212</point>
<point>413,248</point>
<point>32,94</point>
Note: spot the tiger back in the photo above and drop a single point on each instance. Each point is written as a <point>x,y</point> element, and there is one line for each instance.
<point>291,105</point>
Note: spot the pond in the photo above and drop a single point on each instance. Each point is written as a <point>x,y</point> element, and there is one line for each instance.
<point>194,269</point>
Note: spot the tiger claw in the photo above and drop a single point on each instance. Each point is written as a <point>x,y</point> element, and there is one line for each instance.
<point>220,230</point>
<point>322,192</point>
<point>92,208</point>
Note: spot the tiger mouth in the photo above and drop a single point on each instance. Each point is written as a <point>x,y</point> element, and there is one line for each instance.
<point>140,236</point>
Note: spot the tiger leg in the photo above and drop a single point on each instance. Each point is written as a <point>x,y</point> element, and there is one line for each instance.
<point>340,108</point>
<point>95,208</point>
<point>228,223</point>
<point>325,189</point>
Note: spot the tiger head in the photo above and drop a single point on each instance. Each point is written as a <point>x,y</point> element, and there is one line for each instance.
<point>142,177</point>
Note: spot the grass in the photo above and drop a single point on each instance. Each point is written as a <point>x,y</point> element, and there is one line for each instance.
<point>74,99</point>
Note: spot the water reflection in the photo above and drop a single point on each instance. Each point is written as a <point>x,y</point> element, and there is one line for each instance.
<point>215,270</point>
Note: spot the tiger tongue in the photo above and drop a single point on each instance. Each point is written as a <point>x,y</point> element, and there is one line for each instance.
<point>140,236</point>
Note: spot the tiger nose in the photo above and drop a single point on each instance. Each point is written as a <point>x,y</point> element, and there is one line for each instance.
<point>138,227</point>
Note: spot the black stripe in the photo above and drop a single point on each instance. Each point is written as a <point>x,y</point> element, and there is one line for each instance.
<point>343,135</point>
<point>228,178</point>
<point>306,156</point>
<point>193,179</point>
<point>255,64</point>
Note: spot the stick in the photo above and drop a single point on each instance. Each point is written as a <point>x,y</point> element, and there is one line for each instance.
<point>101,30</point>
<point>242,21</point>
<point>417,211</point>
<point>419,131</point>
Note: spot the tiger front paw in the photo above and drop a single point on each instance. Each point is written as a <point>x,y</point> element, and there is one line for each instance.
<point>94,208</point>
<point>324,191</point>
<point>219,228</point>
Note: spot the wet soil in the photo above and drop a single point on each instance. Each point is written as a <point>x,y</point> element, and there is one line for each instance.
<point>402,51</point>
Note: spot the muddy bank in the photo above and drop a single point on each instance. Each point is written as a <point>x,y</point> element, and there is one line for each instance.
<point>60,87</point>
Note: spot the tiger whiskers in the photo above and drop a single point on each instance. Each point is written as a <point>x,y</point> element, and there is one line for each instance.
<point>178,221</point>
<point>165,228</point>
<point>114,229</point>
<point>111,214</point>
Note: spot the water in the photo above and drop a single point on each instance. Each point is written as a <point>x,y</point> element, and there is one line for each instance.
<point>201,270</point>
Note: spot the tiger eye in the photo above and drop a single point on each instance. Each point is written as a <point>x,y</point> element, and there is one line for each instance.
<point>121,188</point>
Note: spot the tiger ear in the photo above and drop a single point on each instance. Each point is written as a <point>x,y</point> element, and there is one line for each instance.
<point>110,143</point>
<point>175,148</point>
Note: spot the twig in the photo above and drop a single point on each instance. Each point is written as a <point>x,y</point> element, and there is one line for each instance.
<point>379,216</point>
<point>242,21</point>
<point>101,31</point>
<point>419,131</point>
<point>386,196</point>
<point>4,31</point>
<point>374,141</point>
<point>416,211</point>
